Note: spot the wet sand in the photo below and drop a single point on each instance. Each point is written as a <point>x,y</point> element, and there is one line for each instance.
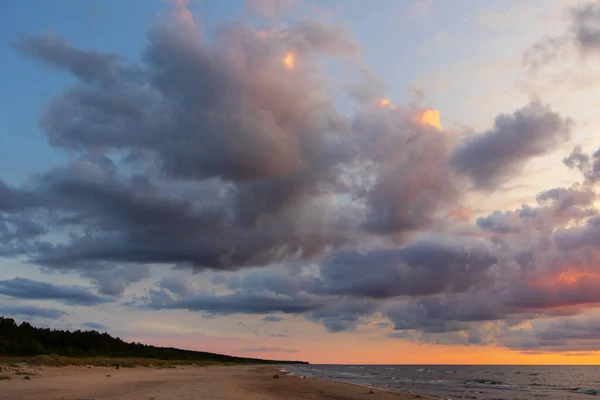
<point>181,383</point>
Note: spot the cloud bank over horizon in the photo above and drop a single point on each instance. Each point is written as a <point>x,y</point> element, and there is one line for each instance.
<point>227,155</point>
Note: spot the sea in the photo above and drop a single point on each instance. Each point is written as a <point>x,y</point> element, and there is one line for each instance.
<point>489,382</point>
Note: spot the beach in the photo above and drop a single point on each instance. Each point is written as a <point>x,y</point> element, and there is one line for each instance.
<point>181,382</point>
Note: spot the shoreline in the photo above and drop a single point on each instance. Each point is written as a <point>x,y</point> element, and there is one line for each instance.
<point>370,387</point>
<point>182,382</point>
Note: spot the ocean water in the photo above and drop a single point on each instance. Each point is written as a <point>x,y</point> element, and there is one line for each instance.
<point>498,382</point>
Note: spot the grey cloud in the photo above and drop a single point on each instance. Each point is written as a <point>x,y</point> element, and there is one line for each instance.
<point>405,166</point>
<point>178,287</point>
<point>32,311</point>
<point>113,281</point>
<point>238,303</point>
<point>578,237</point>
<point>586,26</point>
<point>588,165</point>
<point>269,8</point>
<point>276,146</point>
<point>95,326</point>
<point>86,65</point>
<point>343,314</point>
<point>582,35</point>
<point>421,268</point>
<point>272,318</point>
<point>19,233</point>
<point>401,335</point>
<point>134,221</point>
<point>501,222</point>
<point>315,36</point>
<point>492,157</point>
<point>568,334</point>
<point>557,205</point>
<point>33,290</point>
<point>12,199</point>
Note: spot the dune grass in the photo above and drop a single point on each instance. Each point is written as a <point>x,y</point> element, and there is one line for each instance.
<point>123,362</point>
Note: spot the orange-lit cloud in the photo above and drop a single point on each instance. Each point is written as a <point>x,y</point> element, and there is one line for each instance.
<point>387,104</point>
<point>431,117</point>
<point>290,60</point>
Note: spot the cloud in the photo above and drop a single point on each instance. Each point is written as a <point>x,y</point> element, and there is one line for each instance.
<point>112,281</point>
<point>568,334</point>
<point>272,318</point>
<point>22,288</point>
<point>216,154</point>
<point>582,36</point>
<point>557,205</point>
<point>237,303</point>
<point>586,25</point>
<point>269,8</point>
<point>95,326</point>
<point>492,157</point>
<point>403,167</point>
<point>589,165</point>
<point>251,198</point>
<point>32,311</point>
<point>89,66</point>
<point>424,267</point>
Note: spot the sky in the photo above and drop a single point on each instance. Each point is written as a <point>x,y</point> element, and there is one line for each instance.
<point>334,181</point>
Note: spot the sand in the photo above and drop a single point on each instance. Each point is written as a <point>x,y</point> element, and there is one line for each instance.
<point>181,383</point>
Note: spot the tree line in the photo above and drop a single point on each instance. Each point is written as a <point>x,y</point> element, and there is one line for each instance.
<point>26,340</point>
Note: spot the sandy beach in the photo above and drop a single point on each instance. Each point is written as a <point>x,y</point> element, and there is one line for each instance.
<point>182,383</point>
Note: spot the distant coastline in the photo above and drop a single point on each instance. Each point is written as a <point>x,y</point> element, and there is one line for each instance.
<point>44,346</point>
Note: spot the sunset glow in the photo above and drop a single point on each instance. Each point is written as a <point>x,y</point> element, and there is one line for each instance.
<point>431,117</point>
<point>290,61</point>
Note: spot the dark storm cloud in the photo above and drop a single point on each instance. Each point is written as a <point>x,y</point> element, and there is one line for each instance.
<point>421,268</point>
<point>22,288</point>
<point>32,311</point>
<point>492,157</point>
